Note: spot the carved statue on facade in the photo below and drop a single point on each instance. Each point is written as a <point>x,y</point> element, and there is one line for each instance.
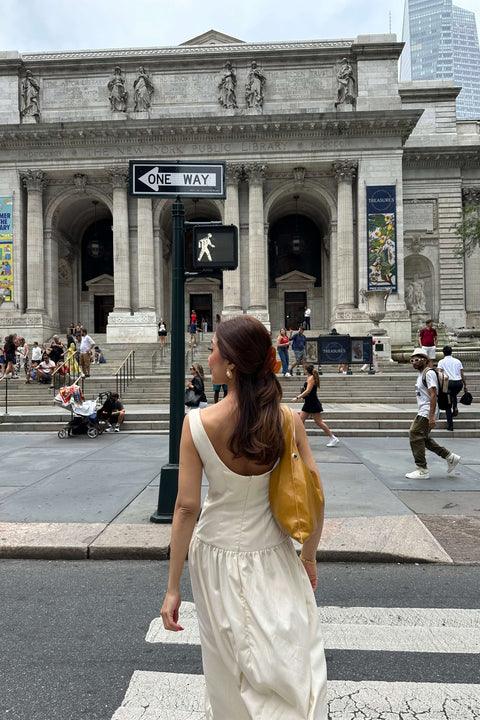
<point>142,91</point>
<point>415,295</point>
<point>345,84</point>
<point>30,91</point>
<point>226,87</point>
<point>118,96</point>
<point>254,87</point>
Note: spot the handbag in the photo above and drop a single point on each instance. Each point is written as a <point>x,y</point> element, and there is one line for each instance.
<point>192,399</point>
<point>296,496</point>
<point>466,398</point>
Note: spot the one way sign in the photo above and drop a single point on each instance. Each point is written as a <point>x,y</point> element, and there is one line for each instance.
<point>177,178</point>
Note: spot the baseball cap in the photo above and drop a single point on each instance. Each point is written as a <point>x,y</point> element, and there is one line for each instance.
<point>418,352</point>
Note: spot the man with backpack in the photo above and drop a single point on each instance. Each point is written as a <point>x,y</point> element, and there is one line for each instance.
<point>427,389</point>
<point>427,338</point>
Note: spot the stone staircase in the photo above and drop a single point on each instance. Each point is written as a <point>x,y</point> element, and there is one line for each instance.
<point>354,405</point>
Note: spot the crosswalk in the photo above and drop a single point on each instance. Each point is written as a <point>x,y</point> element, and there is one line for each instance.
<point>454,632</point>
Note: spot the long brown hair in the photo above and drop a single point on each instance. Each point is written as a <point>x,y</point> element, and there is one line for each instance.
<point>312,370</point>
<point>258,435</point>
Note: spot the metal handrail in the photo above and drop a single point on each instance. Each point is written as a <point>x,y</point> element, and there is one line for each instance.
<point>73,376</point>
<point>126,372</point>
<point>6,381</point>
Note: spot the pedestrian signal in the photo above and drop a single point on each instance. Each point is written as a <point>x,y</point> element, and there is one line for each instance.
<point>215,247</point>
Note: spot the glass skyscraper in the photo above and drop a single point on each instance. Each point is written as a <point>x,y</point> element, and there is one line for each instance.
<point>441,42</point>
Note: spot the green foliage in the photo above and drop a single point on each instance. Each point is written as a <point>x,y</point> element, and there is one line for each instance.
<point>468,231</point>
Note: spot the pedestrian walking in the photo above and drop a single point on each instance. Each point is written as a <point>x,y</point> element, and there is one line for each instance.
<point>425,420</point>
<point>456,381</point>
<point>261,658</point>
<point>427,338</point>
<point>312,405</point>
<point>299,342</point>
<point>162,332</point>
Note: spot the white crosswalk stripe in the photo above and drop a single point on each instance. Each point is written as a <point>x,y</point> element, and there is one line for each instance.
<point>344,628</point>
<point>179,696</point>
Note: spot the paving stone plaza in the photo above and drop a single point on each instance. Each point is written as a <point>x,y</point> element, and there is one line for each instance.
<point>340,179</point>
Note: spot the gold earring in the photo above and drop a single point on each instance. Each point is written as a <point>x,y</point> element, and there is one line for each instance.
<point>229,374</point>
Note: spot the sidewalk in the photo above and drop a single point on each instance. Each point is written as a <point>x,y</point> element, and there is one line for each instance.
<point>92,498</point>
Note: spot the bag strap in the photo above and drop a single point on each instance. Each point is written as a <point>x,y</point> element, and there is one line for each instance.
<point>288,422</point>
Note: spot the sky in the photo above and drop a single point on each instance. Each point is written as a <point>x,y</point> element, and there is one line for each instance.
<point>40,25</point>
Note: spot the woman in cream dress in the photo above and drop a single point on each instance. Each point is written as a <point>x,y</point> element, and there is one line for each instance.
<point>262,651</point>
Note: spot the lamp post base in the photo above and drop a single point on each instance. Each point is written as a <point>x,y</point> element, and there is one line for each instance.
<point>167,494</point>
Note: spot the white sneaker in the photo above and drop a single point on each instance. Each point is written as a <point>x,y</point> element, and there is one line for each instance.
<point>452,462</point>
<point>117,428</point>
<point>333,441</point>
<point>418,474</point>
<point>108,428</point>
<point>287,374</point>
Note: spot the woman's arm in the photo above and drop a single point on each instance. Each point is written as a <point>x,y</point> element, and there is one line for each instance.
<point>187,507</point>
<point>308,390</point>
<point>309,549</point>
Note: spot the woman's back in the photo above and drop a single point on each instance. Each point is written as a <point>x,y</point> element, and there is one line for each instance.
<point>236,514</point>
<point>219,422</point>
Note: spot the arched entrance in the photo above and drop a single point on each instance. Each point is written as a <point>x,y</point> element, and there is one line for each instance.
<point>97,272</point>
<point>81,251</point>
<point>298,260</point>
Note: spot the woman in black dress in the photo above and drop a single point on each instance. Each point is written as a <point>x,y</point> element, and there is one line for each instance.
<point>197,384</point>
<point>312,405</point>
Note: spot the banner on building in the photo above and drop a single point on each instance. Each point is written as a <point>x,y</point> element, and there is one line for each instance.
<point>381,237</point>
<point>6,249</point>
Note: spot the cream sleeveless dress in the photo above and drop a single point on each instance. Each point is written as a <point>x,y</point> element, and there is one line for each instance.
<point>262,650</point>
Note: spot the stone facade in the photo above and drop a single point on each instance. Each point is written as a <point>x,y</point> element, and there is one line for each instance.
<point>303,138</point>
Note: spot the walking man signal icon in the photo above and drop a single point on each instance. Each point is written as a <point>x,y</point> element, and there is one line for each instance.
<point>203,245</point>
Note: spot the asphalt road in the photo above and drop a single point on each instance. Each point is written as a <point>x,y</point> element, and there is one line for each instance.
<point>72,633</point>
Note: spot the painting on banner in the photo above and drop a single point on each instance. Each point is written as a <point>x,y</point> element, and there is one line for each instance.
<point>381,237</point>
<point>6,249</point>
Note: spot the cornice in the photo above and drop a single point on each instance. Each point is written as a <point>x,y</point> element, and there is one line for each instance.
<point>306,125</point>
<point>445,157</point>
<point>418,92</point>
<point>184,50</point>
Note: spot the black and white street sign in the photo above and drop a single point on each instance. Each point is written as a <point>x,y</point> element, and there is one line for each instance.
<point>177,178</point>
<point>215,248</point>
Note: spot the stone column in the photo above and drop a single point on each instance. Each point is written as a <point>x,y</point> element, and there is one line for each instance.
<point>257,306</point>
<point>120,321</point>
<point>146,325</point>
<point>51,275</point>
<point>146,280</point>
<point>121,251</point>
<point>35,181</point>
<point>232,295</point>
<point>345,171</point>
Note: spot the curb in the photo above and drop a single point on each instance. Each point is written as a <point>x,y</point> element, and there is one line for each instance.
<point>390,539</point>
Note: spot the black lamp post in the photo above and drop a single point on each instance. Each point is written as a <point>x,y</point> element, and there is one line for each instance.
<point>169,472</point>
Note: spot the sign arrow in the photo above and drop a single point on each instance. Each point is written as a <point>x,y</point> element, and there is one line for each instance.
<point>156,179</point>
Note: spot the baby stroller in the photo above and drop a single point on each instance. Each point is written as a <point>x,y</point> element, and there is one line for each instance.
<point>83,412</point>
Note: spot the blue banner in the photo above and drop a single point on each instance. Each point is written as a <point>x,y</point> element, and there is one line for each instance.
<point>6,249</point>
<point>381,237</point>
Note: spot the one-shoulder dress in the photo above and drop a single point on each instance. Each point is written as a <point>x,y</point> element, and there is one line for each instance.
<point>263,654</point>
